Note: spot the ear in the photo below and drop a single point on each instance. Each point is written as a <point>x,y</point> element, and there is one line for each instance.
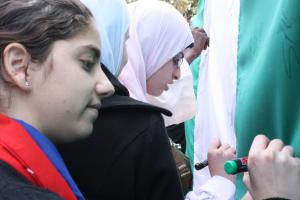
<point>16,61</point>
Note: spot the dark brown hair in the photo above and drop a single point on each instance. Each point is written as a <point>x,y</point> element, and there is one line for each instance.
<point>37,24</point>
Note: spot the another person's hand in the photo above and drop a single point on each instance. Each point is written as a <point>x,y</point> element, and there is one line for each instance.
<point>217,155</point>
<point>272,170</point>
<point>201,41</point>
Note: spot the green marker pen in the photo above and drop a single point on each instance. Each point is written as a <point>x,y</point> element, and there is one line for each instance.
<point>236,166</point>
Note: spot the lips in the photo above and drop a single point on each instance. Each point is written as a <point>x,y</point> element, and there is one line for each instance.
<point>95,106</point>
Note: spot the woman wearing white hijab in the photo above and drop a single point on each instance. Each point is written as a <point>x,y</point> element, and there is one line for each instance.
<point>158,33</point>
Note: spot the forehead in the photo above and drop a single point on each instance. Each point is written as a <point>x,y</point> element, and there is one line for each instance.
<point>87,38</point>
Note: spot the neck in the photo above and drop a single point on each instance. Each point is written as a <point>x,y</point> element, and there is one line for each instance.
<point>22,112</point>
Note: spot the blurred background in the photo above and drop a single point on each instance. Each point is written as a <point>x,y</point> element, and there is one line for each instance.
<point>188,8</point>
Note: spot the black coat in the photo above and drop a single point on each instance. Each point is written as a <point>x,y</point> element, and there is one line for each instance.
<point>128,155</point>
<point>13,186</point>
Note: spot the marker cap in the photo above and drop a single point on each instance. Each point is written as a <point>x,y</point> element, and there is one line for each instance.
<point>230,167</point>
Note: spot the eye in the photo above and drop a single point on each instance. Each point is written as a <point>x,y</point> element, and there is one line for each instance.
<point>177,59</point>
<point>87,65</point>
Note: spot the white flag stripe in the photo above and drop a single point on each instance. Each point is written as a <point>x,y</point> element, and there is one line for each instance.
<point>217,81</point>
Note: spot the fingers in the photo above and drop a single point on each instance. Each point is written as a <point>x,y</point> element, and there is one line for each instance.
<point>275,145</point>
<point>207,43</point>
<point>198,29</point>
<point>224,147</point>
<point>262,143</point>
<point>217,145</point>
<point>232,150</point>
<point>246,179</point>
<point>259,144</point>
<point>288,150</point>
<point>200,32</point>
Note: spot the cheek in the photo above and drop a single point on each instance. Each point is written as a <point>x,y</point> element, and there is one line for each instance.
<point>151,85</point>
<point>168,74</point>
<point>71,93</point>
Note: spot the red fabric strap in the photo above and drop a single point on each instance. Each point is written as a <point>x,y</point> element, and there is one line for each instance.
<point>19,150</point>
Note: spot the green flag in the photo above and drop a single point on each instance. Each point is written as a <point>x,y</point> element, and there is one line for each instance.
<point>268,74</point>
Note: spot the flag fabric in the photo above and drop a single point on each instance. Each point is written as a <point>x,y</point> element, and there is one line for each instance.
<point>217,80</point>
<point>268,74</point>
<point>249,78</point>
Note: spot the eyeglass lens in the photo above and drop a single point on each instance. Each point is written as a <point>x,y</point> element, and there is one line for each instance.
<point>178,59</point>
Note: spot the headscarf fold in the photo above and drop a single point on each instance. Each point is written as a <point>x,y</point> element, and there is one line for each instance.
<point>157,33</point>
<point>112,21</point>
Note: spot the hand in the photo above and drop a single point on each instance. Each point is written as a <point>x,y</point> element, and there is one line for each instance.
<point>201,41</point>
<point>272,171</point>
<point>217,155</point>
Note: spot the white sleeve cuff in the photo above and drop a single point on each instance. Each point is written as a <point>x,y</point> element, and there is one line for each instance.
<point>216,188</point>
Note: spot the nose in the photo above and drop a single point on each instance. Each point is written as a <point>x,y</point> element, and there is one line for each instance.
<point>176,73</point>
<point>104,88</point>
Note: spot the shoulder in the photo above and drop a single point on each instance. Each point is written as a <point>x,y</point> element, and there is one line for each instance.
<point>128,117</point>
<point>132,115</point>
<point>13,186</point>
<point>128,103</point>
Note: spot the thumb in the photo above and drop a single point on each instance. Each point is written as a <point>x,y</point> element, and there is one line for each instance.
<point>246,180</point>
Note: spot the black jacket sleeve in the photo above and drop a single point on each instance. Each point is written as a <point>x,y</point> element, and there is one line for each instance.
<point>13,186</point>
<point>157,174</point>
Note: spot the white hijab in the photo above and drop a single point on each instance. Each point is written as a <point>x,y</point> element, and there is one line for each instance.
<point>157,33</point>
<point>112,22</point>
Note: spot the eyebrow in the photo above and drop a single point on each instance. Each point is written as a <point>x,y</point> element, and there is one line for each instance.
<point>94,51</point>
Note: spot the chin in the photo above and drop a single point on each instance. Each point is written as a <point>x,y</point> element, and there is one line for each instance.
<point>87,131</point>
<point>160,92</point>
<point>74,135</point>
<point>156,93</point>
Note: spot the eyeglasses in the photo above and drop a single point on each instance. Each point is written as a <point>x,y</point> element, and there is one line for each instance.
<point>178,59</point>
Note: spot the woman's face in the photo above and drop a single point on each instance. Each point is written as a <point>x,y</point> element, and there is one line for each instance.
<point>67,93</point>
<point>159,81</point>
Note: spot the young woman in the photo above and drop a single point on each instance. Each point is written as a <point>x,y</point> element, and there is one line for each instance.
<point>158,36</point>
<point>51,89</point>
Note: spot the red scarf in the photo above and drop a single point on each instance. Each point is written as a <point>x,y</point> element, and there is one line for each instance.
<point>20,151</point>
